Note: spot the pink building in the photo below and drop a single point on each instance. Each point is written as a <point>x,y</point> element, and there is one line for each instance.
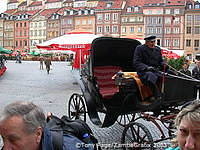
<point>22,29</point>
<point>108,17</point>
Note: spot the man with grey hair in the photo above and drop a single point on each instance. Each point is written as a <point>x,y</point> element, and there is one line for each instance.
<point>21,126</point>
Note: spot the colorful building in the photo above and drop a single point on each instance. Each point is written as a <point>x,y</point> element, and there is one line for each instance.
<point>132,20</point>
<point>108,17</point>
<point>192,30</point>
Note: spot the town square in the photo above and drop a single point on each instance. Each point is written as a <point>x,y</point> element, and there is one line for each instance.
<point>99,74</point>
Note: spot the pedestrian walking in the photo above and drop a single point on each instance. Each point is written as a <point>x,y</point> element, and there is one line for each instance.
<point>41,59</point>
<point>48,64</point>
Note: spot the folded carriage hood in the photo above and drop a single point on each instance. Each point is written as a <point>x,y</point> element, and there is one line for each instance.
<point>108,51</point>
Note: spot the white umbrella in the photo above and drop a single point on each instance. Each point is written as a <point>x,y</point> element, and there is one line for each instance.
<point>70,41</point>
<point>79,42</point>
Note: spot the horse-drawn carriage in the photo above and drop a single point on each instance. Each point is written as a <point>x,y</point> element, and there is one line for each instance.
<point>110,85</point>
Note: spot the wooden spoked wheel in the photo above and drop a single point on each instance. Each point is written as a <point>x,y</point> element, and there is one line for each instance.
<point>76,107</point>
<point>136,136</point>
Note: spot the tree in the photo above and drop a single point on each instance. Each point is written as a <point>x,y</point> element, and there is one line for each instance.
<point>177,63</point>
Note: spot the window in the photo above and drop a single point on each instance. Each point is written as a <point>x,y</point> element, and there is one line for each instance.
<point>16,24</point>
<point>40,32</point>
<point>108,5</point>
<point>176,11</point>
<point>176,42</point>
<point>77,22</point>
<point>167,11</point>
<point>25,43</point>
<point>158,30</point>
<point>167,42</point>
<point>188,43</point>
<point>24,24</point>
<point>139,29</point>
<point>197,6</point>
<point>99,29</point>
<point>176,30</point>
<point>129,9</point>
<point>69,21</point>
<point>31,32</point>
<point>115,16</point>
<point>159,20</point>
<point>107,16</point>
<point>132,29</point>
<point>188,30</point>
<point>177,20</point>
<point>24,32</point>
<point>197,17</point>
<point>115,29</point>
<point>84,22</point>
<point>89,21</point>
<point>168,20</point>
<point>107,29</point>
<point>132,19</point>
<point>196,43</point>
<point>99,16</point>
<point>20,24</point>
<point>124,29</point>
<point>197,30</point>
<point>136,9</point>
<point>124,19</point>
<point>189,17</point>
<point>16,43</point>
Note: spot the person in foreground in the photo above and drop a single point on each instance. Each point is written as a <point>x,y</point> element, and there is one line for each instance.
<point>22,127</point>
<point>147,59</point>
<point>188,128</point>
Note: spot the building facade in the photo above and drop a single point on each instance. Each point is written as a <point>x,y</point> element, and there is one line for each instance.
<point>192,30</point>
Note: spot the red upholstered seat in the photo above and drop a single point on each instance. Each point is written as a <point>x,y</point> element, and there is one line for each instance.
<point>103,76</point>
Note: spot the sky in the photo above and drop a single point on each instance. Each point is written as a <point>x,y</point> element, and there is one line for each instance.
<point>3,5</point>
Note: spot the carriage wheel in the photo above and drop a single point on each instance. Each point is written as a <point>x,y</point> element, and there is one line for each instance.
<point>136,136</point>
<point>76,107</point>
<point>125,119</point>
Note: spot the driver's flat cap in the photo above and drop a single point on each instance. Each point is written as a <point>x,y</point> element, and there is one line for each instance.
<point>150,38</point>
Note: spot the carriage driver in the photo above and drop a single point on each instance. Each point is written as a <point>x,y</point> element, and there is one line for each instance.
<point>147,59</point>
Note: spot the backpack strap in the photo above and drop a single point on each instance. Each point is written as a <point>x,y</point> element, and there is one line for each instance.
<point>57,140</point>
<point>55,127</point>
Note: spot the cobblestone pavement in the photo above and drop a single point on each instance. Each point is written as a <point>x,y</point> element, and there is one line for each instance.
<point>26,82</point>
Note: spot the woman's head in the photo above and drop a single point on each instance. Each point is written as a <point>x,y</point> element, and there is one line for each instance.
<point>188,125</point>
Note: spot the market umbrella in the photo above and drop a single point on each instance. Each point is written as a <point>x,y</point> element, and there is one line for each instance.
<point>33,53</point>
<point>79,42</point>
<point>4,51</point>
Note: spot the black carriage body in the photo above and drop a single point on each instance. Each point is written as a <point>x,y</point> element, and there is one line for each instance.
<point>118,53</point>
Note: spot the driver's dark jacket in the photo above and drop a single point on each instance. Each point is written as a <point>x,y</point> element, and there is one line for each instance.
<point>145,57</point>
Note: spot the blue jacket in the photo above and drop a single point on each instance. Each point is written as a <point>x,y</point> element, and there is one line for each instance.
<point>69,142</point>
